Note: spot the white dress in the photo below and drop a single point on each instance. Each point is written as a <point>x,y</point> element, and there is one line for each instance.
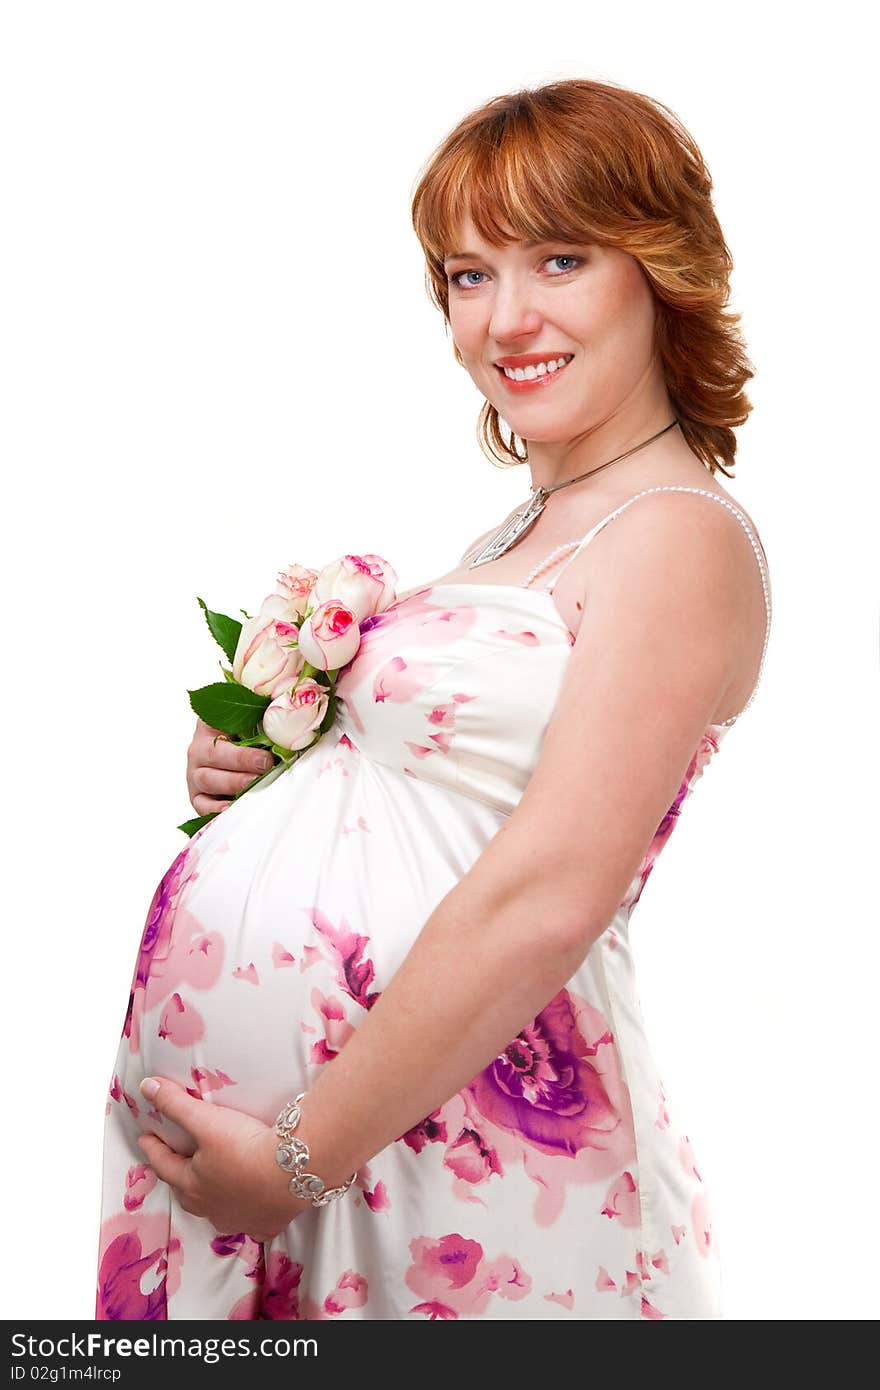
<point>560,1183</point>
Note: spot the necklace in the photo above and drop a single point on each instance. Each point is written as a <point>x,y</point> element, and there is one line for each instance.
<point>514,529</point>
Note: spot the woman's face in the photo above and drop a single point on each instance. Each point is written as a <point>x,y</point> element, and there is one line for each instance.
<point>530,306</point>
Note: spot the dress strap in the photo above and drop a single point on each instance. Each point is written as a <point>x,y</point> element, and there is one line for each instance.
<point>555,555</point>
<point>757,545</point>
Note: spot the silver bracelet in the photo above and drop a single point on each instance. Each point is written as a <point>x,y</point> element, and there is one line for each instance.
<point>293,1156</point>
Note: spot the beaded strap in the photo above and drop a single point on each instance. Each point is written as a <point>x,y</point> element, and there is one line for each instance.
<point>673,487</point>
<point>547,563</point>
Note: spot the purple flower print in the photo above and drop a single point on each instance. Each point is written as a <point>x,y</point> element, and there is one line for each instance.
<point>554,1103</point>
<point>366,625</point>
<point>155,944</point>
<point>137,1250</point>
<point>159,911</point>
<point>119,1295</point>
<point>545,1086</point>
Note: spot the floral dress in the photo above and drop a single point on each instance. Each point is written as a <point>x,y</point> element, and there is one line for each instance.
<point>561,1182</point>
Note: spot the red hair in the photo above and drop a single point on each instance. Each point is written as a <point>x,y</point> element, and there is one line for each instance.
<point>587,161</point>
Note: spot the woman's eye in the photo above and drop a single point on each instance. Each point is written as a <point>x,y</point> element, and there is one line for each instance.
<point>463,279</point>
<point>456,279</point>
<point>563,257</point>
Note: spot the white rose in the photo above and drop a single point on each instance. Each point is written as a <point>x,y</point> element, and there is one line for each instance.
<point>266,654</point>
<point>293,718</point>
<point>363,583</point>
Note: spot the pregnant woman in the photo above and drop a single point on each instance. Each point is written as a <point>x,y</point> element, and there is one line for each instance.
<point>418,937</point>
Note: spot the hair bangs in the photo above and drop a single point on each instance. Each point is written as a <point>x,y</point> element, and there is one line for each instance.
<point>507,183</point>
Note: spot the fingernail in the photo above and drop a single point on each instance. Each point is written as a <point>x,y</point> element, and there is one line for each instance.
<point>148,1087</point>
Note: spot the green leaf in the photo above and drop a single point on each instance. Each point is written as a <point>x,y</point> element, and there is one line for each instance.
<point>190,827</point>
<point>226,631</point>
<point>231,708</point>
<point>283,753</point>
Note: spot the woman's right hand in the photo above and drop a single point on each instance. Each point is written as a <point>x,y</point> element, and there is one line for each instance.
<point>217,768</point>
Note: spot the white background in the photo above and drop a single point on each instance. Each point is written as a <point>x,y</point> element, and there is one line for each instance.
<point>218,356</point>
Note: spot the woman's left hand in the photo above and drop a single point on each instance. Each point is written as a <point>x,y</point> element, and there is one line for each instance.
<point>232,1179</point>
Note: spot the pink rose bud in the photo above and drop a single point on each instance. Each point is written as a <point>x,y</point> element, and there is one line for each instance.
<point>293,718</point>
<point>295,583</point>
<point>330,636</point>
<point>364,583</point>
<point>266,654</point>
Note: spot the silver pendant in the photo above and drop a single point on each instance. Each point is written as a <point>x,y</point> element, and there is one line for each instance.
<point>512,530</point>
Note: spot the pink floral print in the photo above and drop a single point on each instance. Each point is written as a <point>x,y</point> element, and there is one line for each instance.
<point>558,1183</point>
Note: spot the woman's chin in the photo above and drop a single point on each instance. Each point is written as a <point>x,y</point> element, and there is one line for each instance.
<point>535,431</point>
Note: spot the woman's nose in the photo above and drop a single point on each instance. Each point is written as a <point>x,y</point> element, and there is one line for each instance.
<point>514,314</point>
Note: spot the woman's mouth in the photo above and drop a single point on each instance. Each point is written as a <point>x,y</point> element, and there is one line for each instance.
<point>535,375</point>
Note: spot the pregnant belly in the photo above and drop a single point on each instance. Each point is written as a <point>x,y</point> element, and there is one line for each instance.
<point>243,991</point>
<point>273,932</point>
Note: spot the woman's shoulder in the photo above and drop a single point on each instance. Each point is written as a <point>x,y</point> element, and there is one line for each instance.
<point>678,503</point>
<point>673,484</point>
<point>681,508</point>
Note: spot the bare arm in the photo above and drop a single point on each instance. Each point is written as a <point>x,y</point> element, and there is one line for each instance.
<point>659,646</point>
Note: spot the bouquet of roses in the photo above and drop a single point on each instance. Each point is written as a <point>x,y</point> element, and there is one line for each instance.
<point>280,690</point>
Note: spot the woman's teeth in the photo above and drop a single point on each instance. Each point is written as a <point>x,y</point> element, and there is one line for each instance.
<point>539,369</point>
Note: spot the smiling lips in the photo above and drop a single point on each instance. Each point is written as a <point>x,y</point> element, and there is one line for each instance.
<point>531,372</point>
